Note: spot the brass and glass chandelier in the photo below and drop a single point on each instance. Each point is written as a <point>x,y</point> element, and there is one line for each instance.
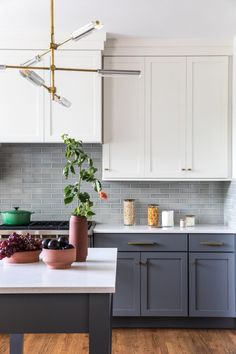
<point>26,68</point>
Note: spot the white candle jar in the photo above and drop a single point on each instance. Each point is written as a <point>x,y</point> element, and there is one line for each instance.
<point>189,220</point>
<point>167,218</point>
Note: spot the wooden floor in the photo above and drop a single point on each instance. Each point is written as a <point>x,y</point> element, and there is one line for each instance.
<point>134,341</point>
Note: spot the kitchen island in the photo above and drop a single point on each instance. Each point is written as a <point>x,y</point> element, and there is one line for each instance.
<point>35,299</point>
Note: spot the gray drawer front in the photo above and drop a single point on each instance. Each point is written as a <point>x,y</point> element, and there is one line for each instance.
<point>211,243</point>
<point>143,242</point>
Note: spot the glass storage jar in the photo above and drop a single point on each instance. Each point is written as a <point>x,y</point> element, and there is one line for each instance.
<point>129,212</point>
<point>154,215</point>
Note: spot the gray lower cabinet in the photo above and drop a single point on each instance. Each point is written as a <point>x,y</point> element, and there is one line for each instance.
<point>154,277</point>
<point>151,284</point>
<point>126,300</point>
<point>211,285</point>
<point>164,285</point>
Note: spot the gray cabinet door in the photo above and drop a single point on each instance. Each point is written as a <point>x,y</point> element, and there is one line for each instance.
<point>211,285</point>
<point>164,287</point>
<point>126,300</point>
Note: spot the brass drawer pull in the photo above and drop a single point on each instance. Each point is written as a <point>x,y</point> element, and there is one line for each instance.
<point>207,243</point>
<point>142,243</point>
<point>142,263</point>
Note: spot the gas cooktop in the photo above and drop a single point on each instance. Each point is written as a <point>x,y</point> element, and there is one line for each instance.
<point>42,225</point>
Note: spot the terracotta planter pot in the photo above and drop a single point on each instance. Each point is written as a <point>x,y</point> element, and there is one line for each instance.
<point>59,259</point>
<point>78,236</point>
<point>23,257</point>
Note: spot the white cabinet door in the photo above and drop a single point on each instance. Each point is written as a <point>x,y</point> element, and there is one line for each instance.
<point>208,138</point>
<point>21,103</point>
<point>83,119</point>
<point>165,117</point>
<point>123,149</point>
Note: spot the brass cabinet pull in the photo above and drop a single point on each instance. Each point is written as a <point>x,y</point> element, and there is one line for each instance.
<point>183,169</point>
<point>138,243</point>
<point>106,169</point>
<point>189,169</point>
<point>142,263</point>
<point>209,243</point>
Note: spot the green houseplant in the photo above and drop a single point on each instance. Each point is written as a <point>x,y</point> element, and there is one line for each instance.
<point>79,163</point>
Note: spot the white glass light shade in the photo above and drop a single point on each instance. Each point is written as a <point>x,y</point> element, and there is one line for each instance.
<point>32,61</point>
<point>63,101</point>
<point>85,30</point>
<point>118,73</point>
<point>32,77</point>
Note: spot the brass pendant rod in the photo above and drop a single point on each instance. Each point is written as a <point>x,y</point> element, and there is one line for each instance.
<point>52,46</point>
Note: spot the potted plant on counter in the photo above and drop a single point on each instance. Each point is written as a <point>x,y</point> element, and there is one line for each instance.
<point>78,160</point>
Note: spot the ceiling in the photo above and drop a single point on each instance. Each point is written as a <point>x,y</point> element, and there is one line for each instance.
<point>208,19</point>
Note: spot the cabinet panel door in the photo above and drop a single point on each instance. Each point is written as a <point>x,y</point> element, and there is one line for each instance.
<point>22,104</point>
<point>83,119</point>
<point>208,138</point>
<point>123,149</point>
<point>211,285</point>
<point>126,300</point>
<point>164,287</point>
<point>165,117</point>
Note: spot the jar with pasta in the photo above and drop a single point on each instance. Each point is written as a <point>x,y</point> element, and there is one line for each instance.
<point>154,215</point>
<point>129,212</point>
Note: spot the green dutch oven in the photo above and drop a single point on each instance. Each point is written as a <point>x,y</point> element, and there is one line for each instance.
<point>16,217</point>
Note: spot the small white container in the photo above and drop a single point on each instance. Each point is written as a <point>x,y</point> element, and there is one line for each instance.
<point>189,220</point>
<point>182,223</point>
<point>167,218</point>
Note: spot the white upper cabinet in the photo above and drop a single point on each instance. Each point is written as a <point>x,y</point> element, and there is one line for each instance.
<point>123,149</point>
<point>174,123</point>
<point>27,113</point>
<point>83,119</point>
<point>208,139</point>
<point>165,117</point>
<point>21,103</point>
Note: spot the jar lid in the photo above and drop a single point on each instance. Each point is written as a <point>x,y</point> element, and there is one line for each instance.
<point>153,205</point>
<point>129,200</point>
<point>190,216</point>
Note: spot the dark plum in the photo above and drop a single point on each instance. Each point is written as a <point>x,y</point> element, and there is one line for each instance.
<point>46,242</point>
<point>53,245</point>
<point>63,241</point>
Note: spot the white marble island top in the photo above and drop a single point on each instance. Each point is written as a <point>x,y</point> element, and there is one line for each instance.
<point>97,275</point>
<point>198,229</point>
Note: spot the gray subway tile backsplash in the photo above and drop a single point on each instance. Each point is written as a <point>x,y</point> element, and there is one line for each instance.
<point>31,177</point>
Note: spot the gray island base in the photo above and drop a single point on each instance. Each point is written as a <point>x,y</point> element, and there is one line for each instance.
<point>74,307</point>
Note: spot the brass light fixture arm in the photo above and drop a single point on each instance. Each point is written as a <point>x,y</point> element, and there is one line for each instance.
<point>28,67</point>
<point>49,68</point>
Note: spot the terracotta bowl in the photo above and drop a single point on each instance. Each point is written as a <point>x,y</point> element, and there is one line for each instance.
<point>23,257</point>
<point>59,259</point>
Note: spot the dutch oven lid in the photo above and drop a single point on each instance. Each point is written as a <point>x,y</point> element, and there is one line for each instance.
<point>17,211</point>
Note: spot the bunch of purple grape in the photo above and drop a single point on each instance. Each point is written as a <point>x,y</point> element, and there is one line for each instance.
<point>19,243</point>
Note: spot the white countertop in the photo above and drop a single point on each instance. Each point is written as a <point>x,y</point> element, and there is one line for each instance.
<point>198,229</point>
<point>97,275</point>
